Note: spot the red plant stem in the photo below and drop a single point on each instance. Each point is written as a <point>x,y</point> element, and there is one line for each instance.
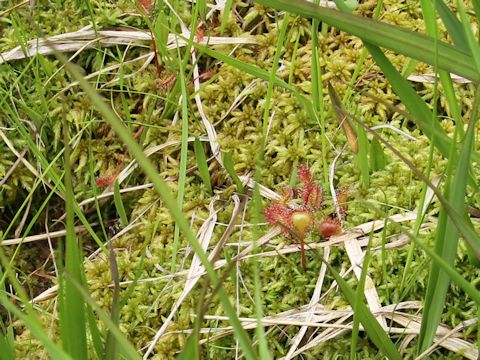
<point>303,261</point>
<point>157,62</point>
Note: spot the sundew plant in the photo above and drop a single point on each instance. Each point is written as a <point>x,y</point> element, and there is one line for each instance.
<point>223,179</point>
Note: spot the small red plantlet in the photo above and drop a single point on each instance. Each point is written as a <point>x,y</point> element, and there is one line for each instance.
<point>146,6</point>
<point>110,179</point>
<point>329,227</point>
<point>300,220</point>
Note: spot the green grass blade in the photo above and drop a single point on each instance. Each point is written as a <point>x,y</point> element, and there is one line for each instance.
<point>7,344</point>
<point>447,235</point>
<point>414,103</point>
<point>317,95</point>
<point>72,308</point>
<point>359,296</point>
<point>117,199</point>
<point>225,15</point>
<point>182,168</point>
<point>190,350</point>
<point>202,164</point>
<point>54,350</point>
<point>400,40</point>
<point>453,25</point>
<point>377,156</point>
<point>127,349</point>
<point>367,319</point>
<point>456,277</point>
<point>228,164</point>
<point>170,202</point>
<point>467,28</point>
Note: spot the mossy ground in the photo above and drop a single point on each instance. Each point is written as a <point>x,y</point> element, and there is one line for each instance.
<point>145,252</point>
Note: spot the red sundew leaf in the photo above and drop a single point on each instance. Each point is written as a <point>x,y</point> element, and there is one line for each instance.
<point>315,198</point>
<point>312,194</point>
<point>278,214</point>
<point>106,180</point>
<point>146,5</point>
<point>329,227</point>
<point>342,198</point>
<point>305,176</point>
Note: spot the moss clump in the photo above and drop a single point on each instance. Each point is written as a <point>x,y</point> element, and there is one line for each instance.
<point>146,251</point>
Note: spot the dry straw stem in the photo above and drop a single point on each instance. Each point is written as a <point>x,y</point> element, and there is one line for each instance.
<point>204,237</point>
<point>336,322</point>
<point>29,166</point>
<point>84,39</point>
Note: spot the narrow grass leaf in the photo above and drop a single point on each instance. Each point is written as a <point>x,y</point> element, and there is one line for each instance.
<point>182,166</point>
<point>467,28</point>
<point>202,9</point>
<point>190,350</point>
<point>456,277</point>
<point>228,164</point>
<point>453,25</point>
<point>117,199</point>
<point>97,340</point>
<point>8,351</point>
<point>126,346</point>
<point>161,34</point>
<point>377,156</point>
<point>400,40</point>
<point>374,331</point>
<point>225,15</point>
<point>55,351</point>
<point>359,295</point>
<point>446,240</point>
<point>73,321</point>
<point>202,164</point>
<point>163,190</point>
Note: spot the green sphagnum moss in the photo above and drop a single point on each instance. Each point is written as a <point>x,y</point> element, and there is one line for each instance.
<point>293,139</point>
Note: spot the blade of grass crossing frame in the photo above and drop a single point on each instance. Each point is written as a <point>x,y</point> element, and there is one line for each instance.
<point>377,156</point>
<point>359,296</point>
<point>446,240</point>
<point>182,171</point>
<point>55,351</point>
<point>257,201</point>
<point>117,199</point>
<point>190,350</point>
<point>7,344</point>
<point>317,95</point>
<point>453,25</point>
<point>72,307</point>
<point>202,9</point>
<point>170,202</point>
<point>472,42</point>
<point>126,348</point>
<point>463,226</point>
<point>413,102</point>
<point>374,331</point>
<point>225,15</point>
<point>228,164</point>
<point>395,38</point>
<point>202,164</point>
